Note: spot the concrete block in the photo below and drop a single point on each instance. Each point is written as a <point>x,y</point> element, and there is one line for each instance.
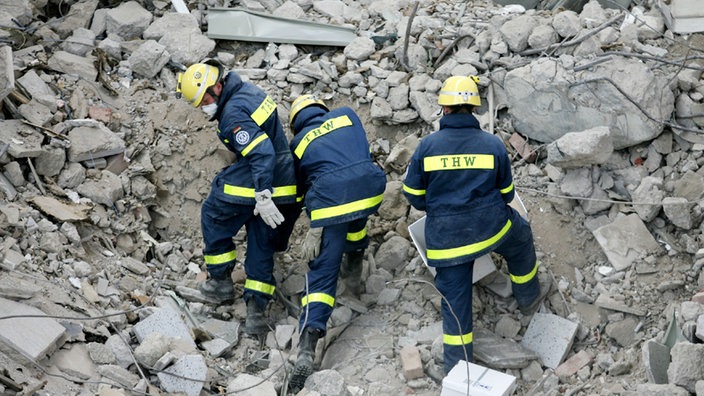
<point>572,365</point>
<point>75,361</point>
<point>498,352</point>
<point>411,363</point>
<point>625,240</point>
<point>189,366</point>
<point>656,359</point>
<point>34,337</point>
<point>165,322</point>
<point>551,337</point>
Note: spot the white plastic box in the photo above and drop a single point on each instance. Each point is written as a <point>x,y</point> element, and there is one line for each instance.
<point>483,381</point>
<point>483,266</point>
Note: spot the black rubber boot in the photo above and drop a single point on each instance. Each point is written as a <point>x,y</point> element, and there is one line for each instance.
<point>255,323</point>
<point>218,290</point>
<point>351,272</point>
<point>306,357</point>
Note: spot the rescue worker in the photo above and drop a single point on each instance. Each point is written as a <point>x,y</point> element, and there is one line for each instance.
<point>257,191</point>
<point>461,177</point>
<point>342,187</point>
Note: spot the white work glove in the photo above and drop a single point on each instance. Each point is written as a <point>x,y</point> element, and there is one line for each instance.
<point>311,245</point>
<point>266,209</point>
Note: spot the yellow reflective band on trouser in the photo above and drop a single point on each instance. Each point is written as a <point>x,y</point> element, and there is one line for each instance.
<point>457,339</point>
<point>440,254</point>
<point>265,109</point>
<point>458,161</point>
<point>413,191</point>
<point>318,297</point>
<point>507,189</point>
<point>259,286</point>
<point>357,236</point>
<point>254,144</point>
<point>525,278</point>
<point>344,209</point>
<point>327,127</point>
<point>220,258</point>
<point>282,191</point>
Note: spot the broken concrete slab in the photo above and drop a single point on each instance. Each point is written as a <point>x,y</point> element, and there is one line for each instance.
<point>656,359</point>
<point>608,302</point>
<point>93,141</point>
<point>189,374</point>
<point>7,74</point>
<point>500,353</point>
<point>15,287</point>
<point>31,337</point>
<point>551,337</point>
<point>164,321</point>
<point>572,365</point>
<point>626,240</point>
<point>59,210</point>
<point>23,140</point>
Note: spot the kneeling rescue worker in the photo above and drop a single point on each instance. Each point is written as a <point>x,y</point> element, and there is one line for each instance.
<point>461,177</point>
<point>342,187</point>
<point>258,191</point>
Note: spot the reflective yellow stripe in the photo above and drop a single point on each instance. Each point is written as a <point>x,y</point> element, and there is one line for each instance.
<point>327,127</point>
<point>458,161</point>
<point>344,209</point>
<point>282,191</point>
<point>259,286</point>
<point>525,278</point>
<point>254,143</point>
<point>507,189</point>
<point>220,258</point>
<point>457,340</point>
<point>357,236</point>
<point>413,191</point>
<point>439,254</point>
<point>318,297</point>
<point>265,109</point>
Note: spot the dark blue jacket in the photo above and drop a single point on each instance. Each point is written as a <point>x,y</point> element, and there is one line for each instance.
<point>248,124</point>
<point>461,176</point>
<point>334,167</point>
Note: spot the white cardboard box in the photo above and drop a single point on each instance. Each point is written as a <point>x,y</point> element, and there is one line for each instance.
<point>483,381</point>
<point>483,266</point>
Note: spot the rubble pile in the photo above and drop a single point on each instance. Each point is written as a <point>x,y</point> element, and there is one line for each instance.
<point>103,171</point>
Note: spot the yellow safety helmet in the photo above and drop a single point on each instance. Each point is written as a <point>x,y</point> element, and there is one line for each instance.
<point>460,90</point>
<point>195,81</point>
<point>301,103</point>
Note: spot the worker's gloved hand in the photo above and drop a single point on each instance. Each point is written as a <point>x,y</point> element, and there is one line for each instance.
<point>311,245</point>
<point>266,209</point>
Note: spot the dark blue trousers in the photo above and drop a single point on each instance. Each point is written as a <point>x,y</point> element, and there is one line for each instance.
<point>455,284</point>
<point>220,222</point>
<point>319,299</point>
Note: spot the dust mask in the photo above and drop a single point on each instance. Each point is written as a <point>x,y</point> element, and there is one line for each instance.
<point>210,109</point>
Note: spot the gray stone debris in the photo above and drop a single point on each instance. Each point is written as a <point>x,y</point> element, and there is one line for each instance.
<point>103,170</point>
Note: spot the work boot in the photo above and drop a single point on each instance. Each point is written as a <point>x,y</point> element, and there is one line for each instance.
<point>351,272</point>
<point>256,322</point>
<point>218,290</point>
<point>306,356</point>
<point>545,284</point>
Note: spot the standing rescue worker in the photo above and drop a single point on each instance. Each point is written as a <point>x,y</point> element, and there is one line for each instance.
<point>461,177</point>
<point>342,187</point>
<point>258,191</point>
